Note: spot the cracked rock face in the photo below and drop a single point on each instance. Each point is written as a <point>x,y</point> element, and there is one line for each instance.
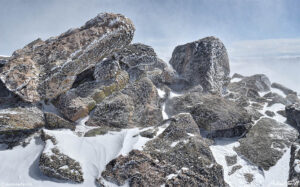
<point>203,62</point>
<point>294,172</point>
<point>53,163</point>
<point>78,102</point>
<point>266,142</point>
<point>136,105</point>
<point>45,69</point>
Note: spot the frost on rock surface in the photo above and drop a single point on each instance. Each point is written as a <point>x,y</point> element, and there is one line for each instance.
<point>45,69</point>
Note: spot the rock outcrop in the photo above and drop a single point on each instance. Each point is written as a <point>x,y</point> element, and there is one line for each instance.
<point>203,62</point>
<point>45,69</point>
<point>212,112</point>
<point>284,89</point>
<point>54,121</point>
<point>178,156</point>
<point>266,142</point>
<point>78,102</point>
<point>136,105</point>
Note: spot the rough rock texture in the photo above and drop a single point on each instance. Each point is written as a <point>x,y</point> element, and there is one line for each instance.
<point>22,117</point>
<point>54,121</point>
<point>212,112</point>
<point>78,102</point>
<point>138,168</point>
<point>55,164</point>
<point>231,160</point>
<point>203,62</point>
<point>293,115</point>
<point>284,89</point>
<point>4,92</point>
<point>140,60</point>
<point>249,87</point>
<point>266,142</point>
<point>179,148</point>
<point>136,105</point>
<point>45,69</point>
<point>294,173</point>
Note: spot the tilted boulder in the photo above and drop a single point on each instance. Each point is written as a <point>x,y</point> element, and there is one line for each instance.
<point>212,112</point>
<point>266,142</point>
<point>203,62</point>
<point>45,69</point>
<point>78,102</point>
<point>53,163</point>
<point>136,105</point>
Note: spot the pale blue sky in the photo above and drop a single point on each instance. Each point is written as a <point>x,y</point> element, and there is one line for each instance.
<point>249,28</point>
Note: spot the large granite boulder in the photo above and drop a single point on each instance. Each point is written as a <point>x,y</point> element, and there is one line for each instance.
<point>203,62</point>
<point>266,142</point>
<point>293,115</point>
<point>78,102</point>
<point>219,116</point>
<point>53,163</point>
<point>45,69</point>
<point>136,105</point>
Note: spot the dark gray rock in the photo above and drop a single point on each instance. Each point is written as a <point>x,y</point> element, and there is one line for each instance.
<point>234,169</point>
<point>270,113</point>
<point>149,133</point>
<point>249,177</point>
<point>46,69</point>
<point>211,112</point>
<point>203,62</point>
<point>293,115</point>
<point>231,160</point>
<point>54,121</point>
<point>266,142</point>
<point>284,89</point>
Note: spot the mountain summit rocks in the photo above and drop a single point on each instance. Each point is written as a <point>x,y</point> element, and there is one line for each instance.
<point>203,62</point>
<point>45,69</point>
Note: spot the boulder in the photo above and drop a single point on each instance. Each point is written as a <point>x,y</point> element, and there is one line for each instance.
<point>45,69</point>
<point>53,163</point>
<point>293,115</point>
<point>266,142</point>
<point>284,89</point>
<point>203,62</point>
<point>19,121</point>
<point>78,102</point>
<point>140,60</point>
<point>212,112</point>
<point>54,121</point>
<point>136,105</point>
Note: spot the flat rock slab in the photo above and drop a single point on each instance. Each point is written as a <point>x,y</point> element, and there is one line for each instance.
<point>45,69</point>
<point>266,142</point>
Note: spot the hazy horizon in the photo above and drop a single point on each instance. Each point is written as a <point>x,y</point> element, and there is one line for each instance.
<point>261,36</point>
